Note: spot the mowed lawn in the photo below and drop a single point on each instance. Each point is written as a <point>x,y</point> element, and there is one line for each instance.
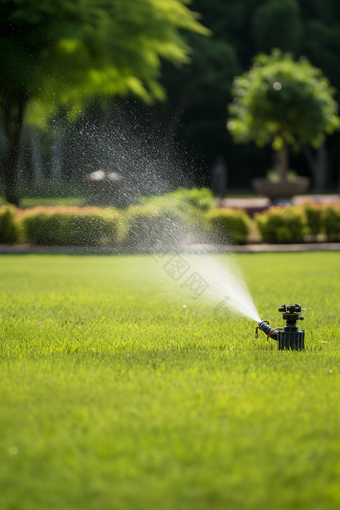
<point>121,391</point>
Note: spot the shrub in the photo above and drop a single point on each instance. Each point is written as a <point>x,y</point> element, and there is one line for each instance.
<point>9,228</point>
<point>148,226</point>
<point>169,218</point>
<point>281,224</point>
<point>331,221</point>
<point>313,214</point>
<point>89,228</point>
<point>70,226</point>
<point>228,225</point>
<point>41,226</point>
<point>200,198</point>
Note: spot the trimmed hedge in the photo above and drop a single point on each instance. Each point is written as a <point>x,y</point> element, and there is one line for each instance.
<point>166,220</point>
<point>314,218</point>
<point>199,199</point>
<point>70,226</point>
<point>228,225</point>
<point>9,228</point>
<point>185,207</point>
<point>149,226</point>
<point>169,219</point>
<point>281,224</point>
<point>331,222</point>
<point>323,219</point>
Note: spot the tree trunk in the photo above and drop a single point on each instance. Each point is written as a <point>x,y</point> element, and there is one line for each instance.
<point>283,161</point>
<point>339,168</point>
<point>13,120</point>
<point>318,166</point>
<point>321,174</point>
<point>56,159</point>
<point>36,155</point>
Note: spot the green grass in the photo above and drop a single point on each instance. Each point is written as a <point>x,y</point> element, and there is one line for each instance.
<point>34,202</point>
<point>114,396</point>
<point>49,193</point>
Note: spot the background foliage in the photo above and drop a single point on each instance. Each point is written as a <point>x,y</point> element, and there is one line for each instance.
<point>242,28</point>
<point>281,100</point>
<point>64,54</point>
<point>195,111</point>
<point>166,221</point>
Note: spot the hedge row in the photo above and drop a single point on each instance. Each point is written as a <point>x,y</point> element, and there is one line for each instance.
<point>290,224</point>
<point>59,226</point>
<point>228,225</point>
<point>162,222</point>
<point>9,227</point>
<point>139,226</point>
<point>70,226</point>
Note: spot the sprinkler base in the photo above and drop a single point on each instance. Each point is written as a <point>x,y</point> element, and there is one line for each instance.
<point>289,337</point>
<point>293,340</point>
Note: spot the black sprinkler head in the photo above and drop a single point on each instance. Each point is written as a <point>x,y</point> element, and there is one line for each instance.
<point>289,337</point>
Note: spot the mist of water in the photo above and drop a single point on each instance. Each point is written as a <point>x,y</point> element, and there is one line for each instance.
<point>226,284</point>
<point>145,154</point>
<point>138,144</point>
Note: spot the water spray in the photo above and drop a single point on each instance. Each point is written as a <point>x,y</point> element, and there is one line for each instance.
<point>290,336</point>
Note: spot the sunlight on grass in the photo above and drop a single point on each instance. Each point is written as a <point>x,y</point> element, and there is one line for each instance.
<point>34,202</point>
<point>115,395</point>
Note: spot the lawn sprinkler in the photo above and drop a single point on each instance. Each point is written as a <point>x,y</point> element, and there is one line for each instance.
<point>289,337</point>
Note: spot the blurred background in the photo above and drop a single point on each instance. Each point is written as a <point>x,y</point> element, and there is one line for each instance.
<point>184,124</point>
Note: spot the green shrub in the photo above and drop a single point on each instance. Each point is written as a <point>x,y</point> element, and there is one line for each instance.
<point>313,214</point>
<point>171,218</point>
<point>228,225</point>
<point>41,227</point>
<point>331,222</point>
<point>70,226</point>
<point>89,229</point>
<point>149,225</point>
<point>281,224</point>
<point>201,199</point>
<point>9,229</point>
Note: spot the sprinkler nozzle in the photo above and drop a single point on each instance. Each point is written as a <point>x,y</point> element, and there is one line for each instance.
<point>267,330</point>
<point>289,337</point>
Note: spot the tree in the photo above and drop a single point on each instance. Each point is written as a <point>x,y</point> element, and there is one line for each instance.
<point>195,94</point>
<point>277,23</point>
<point>62,52</point>
<point>244,28</point>
<point>282,102</point>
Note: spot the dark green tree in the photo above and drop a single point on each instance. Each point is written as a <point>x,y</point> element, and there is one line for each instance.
<point>244,27</point>
<point>282,102</point>
<point>277,23</point>
<point>65,53</point>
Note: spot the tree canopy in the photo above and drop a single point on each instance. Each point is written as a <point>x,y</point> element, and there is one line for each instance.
<point>68,52</point>
<point>241,29</point>
<point>279,100</point>
<point>62,52</point>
